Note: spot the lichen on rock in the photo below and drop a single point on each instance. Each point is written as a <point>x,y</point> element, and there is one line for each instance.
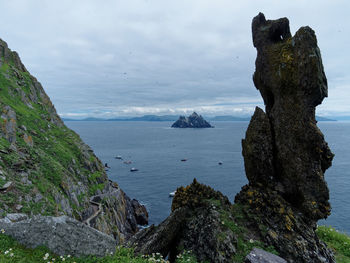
<point>285,153</point>
<point>285,159</point>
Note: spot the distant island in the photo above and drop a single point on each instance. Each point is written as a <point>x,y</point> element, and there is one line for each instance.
<point>192,121</point>
<point>175,117</point>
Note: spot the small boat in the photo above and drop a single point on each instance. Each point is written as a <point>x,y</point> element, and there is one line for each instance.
<point>134,169</point>
<point>118,157</point>
<point>172,194</point>
<point>183,160</point>
<point>127,162</point>
<point>220,163</point>
<point>106,166</point>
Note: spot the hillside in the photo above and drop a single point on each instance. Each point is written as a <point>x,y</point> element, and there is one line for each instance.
<point>45,168</point>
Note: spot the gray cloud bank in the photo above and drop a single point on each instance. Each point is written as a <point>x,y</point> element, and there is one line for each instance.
<point>128,58</point>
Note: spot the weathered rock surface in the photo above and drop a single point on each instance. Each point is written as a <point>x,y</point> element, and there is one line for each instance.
<point>140,211</point>
<point>260,256</point>
<point>62,235</point>
<point>285,153</point>
<point>51,170</point>
<point>195,224</point>
<point>192,121</point>
<point>285,159</point>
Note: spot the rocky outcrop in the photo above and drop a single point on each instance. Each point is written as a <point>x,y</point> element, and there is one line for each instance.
<point>196,224</point>
<point>285,158</point>
<point>285,153</point>
<point>52,172</point>
<point>260,256</point>
<point>192,121</point>
<point>62,235</point>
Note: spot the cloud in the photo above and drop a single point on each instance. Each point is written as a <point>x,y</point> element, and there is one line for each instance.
<point>149,56</point>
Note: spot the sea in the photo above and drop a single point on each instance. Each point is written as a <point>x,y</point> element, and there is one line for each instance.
<point>167,158</point>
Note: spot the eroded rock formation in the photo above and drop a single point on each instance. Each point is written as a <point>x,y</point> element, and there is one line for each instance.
<point>285,153</point>
<point>285,159</point>
<point>195,224</point>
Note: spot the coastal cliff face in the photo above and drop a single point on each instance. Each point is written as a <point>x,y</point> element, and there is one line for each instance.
<point>285,158</point>
<point>45,168</point>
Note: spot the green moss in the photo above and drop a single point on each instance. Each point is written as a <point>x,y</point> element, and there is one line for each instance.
<point>339,242</point>
<point>233,220</point>
<point>196,195</point>
<point>93,189</point>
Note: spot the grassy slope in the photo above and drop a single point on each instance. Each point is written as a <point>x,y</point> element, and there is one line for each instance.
<point>339,242</point>
<point>56,148</point>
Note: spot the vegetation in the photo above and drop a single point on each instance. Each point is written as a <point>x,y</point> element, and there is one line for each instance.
<point>232,220</point>
<point>48,156</point>
<point>12,252</point>
<point>339,242</point>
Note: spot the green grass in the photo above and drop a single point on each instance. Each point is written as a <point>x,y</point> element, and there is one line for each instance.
<point>12,252</point>
<point>51,158</point>
<point>339,242</point>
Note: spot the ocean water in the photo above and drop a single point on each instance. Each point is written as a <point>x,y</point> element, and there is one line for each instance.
<point>156,150</point>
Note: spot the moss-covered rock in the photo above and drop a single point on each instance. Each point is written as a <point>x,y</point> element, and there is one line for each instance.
<point>202,221</point>
<point>285,153</point>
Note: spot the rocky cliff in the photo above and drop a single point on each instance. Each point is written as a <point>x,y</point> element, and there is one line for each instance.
<point>285,157</point>
<point>284,152</point>
<point>192,121</point>
<point>45,168</point>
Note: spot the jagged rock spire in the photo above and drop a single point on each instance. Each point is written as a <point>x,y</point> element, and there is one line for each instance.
<point>290,77</point>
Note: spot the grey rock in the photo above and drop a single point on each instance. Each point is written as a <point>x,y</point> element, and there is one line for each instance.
<point>25,180</point>
<point>140,212</point>
<point>38,197</point>
<point>6,186</point>
<point>62,235</point>
<point>16,217</point>
<point>18,207</point>
<point>5,220</point>
<point>258,255</point>
<point>10,127</point>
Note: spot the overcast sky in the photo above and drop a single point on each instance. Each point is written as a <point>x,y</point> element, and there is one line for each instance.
<point>134,57</point>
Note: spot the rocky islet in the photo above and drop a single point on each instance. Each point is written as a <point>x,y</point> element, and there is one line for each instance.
<point>192,121</point>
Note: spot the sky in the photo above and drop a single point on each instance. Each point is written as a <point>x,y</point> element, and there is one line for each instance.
<point>135,57</point>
